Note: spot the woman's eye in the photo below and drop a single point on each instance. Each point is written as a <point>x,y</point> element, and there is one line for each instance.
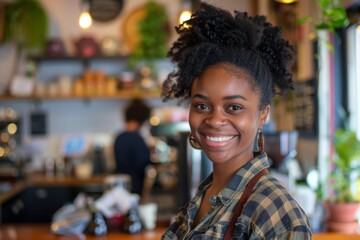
<point>234,107</point>
<point>202,106</point>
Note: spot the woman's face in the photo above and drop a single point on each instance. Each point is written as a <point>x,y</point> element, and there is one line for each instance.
<point>224,114</point>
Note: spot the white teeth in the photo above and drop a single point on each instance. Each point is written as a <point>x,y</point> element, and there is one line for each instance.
<point>219,139</point>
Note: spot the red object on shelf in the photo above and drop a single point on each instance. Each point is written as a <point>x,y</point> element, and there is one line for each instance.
<point>87,46</point>
<point>55,48</point>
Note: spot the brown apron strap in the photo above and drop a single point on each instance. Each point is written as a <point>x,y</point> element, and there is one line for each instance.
<point>242,201</point>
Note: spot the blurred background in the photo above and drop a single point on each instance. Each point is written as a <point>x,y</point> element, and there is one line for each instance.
<point>68,69</point>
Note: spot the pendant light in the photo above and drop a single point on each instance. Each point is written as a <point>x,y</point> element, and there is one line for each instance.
<point>286,1</point>
<point>85,19</point>
<point>186,11</point>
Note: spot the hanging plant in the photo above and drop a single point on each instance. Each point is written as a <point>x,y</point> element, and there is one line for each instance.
<point>26,24</point>
<point>153,34</point>
<point>332,16</point>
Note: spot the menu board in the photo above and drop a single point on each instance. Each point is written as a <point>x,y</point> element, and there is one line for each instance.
<point>306,108</point>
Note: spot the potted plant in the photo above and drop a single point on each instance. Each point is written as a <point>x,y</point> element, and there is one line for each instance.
<point>153,34</point>
<point>26,27</point>
<point>153,30</point>
<point>26,24</point>
<point>342,204</point>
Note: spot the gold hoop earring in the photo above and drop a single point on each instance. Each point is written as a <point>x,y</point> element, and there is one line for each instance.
<point>259,141</point>
<point>193,142</point>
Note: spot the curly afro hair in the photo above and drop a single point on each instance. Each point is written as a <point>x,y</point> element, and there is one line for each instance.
<point>214,36</point>
<point>137,110</point>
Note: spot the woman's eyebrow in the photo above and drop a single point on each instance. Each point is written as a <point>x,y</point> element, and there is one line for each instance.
<point>200,96</point>
<point>232,97</point>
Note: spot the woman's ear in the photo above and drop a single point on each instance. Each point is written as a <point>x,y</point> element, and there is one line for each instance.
<point>264,115</point>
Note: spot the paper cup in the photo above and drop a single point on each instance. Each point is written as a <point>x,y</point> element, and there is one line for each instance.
<point>148,215</point>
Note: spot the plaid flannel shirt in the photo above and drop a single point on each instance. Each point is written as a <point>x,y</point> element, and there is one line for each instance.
<point>270,212</point>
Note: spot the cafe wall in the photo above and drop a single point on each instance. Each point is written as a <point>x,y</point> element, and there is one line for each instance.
<point>98,120</point>
<point>101,119</point>
<point>64,18</point>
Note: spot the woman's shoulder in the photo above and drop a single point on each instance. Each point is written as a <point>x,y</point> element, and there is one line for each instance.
<point>272,192</point>
<point>270,183</point>
<point>272,208</point>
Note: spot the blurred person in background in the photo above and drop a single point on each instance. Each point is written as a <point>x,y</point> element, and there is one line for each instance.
<point>131,152</point>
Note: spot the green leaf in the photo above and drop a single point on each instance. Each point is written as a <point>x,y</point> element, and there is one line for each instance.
<point>324,3</point>
<point>329,46</point>
<point>338,17</point>
<point>304,20</point>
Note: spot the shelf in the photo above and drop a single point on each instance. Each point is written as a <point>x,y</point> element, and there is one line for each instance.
<point>77,58</point>
<point>84,60</point>
<point>120,95</point>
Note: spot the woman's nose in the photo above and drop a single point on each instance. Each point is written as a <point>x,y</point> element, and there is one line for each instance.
<point>216,119</point>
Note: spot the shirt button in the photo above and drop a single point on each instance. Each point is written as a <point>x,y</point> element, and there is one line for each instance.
<point>213,200</point>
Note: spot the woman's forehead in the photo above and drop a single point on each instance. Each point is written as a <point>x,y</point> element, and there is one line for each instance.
<point>223,82</point>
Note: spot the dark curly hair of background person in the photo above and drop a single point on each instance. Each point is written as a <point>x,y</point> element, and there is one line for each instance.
<point>137,110</point>
<point>213,35</point>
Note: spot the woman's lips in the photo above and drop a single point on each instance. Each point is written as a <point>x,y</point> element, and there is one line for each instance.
<point>218,141</point>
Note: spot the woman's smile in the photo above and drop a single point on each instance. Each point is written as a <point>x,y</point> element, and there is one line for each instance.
<point>218,141</point>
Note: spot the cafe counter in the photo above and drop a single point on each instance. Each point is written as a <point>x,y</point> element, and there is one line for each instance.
<point>34,198</point>
<point>42,232</point>
<point>41,180</point>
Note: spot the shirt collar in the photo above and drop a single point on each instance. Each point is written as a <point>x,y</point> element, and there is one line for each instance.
<point>242,177</point>
<point>236,184</point>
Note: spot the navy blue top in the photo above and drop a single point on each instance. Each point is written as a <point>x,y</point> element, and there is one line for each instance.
<point>132,155</point>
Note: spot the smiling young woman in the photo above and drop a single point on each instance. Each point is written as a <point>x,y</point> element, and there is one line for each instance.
<point>230,67</point>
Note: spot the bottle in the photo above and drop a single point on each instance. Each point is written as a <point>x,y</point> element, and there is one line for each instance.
<point>98,159</point>
<point>97,225</point>
<point>132,223</point>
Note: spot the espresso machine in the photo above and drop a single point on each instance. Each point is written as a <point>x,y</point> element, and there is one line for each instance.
<point>192,166</point>
<point>281,147</point>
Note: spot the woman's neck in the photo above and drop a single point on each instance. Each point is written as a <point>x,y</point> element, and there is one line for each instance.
<point>222,173</point>
<point>220,180</point>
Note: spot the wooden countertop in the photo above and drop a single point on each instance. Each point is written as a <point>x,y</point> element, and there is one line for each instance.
<point>16,188</point>
<point>42,232</point>
<point>42,180</point>
<point>335,236</point>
